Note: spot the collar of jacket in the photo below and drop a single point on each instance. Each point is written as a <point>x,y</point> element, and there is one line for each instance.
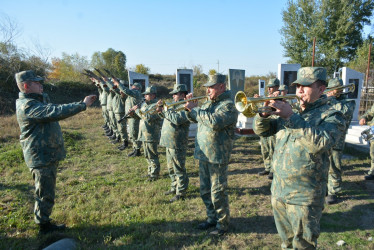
<point>321,101</point>
<point>36,96</point>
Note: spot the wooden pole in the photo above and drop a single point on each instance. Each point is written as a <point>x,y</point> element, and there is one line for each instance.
<point>314,50</point>
<point>367,79</point>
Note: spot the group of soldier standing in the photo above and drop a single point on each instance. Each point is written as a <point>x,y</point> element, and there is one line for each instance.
<point>301,144</point>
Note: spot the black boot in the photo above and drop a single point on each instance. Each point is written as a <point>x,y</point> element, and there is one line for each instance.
<point>110,133</point>
<point>113,137</point>
<point>116,140</point>
<point>134,153</point>
<point>49,227</point>
<point>265,172</point>
<point>124,145</point>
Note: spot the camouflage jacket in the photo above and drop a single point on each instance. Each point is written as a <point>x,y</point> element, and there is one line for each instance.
<point>216,128</point>
<point>368,116</point>
<point>41,137</point>
<point>104,95</point>
<point>134,97</point>
<point>150,124</point>
<point>174,133</point>
<point>300,160</point>
<point>109,102</point>
<point>118,102</point>
<point>347,107</point>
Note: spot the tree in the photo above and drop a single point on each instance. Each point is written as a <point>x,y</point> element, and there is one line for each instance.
<point>142,69</point>
<point>114,61</point>
<point>212,72</point>
<point>69,68</point>
<point>197,70</point>
<point>336,24</point>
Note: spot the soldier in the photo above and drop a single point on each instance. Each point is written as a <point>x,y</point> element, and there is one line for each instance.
<point>364,119</point>
<point>213,145</point>
<point>149,131</point>
<point>119,111</point>
<point>42,142</point>
<point>134,97</point>
<point>267,143</point>
<point>300,160</point>
<point>174,136</point>
<point>103,90</point>
<point>347,107</point>
<point>283,89</point>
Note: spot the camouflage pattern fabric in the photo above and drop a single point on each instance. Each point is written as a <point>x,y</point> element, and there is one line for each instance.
<point>110,109</point>
<point>121,126</point>
<point>151,154</point>
<point>213,145</point>
<point>119,110</point>
<point>368,116</point>
<point>174,136</point>
<point>347,107</point>
<point>103,103</point>
<point>300,162</point>
<point>267,151</point>
<point>41,136</point>
<point>45,186</point>
<point>371,171</point>
<point>133,126</point>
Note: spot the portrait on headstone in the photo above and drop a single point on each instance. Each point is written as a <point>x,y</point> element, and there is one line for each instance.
<point>289,77</point>
<point>186,79</point>
<point>142,82</point>
<point>236,80</point>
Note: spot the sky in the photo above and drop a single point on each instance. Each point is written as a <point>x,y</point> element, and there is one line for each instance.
<point>161,34</point>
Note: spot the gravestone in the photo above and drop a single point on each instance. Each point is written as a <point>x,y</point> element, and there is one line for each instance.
<point>236,81</point>
<point>287,73</point>
<point>185,76</point>
<point>261,87</point>
<point>352,76</point>
<point>139,78</point>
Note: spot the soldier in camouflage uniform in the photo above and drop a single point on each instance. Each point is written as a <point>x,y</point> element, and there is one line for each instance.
<point>42,142</point>
<point>103,91</point>
<point>367,119</point>
<point>134,97</point>
<point>149,131</point>
<point>174,136</point>
<point>300,161</point>
<point>347,107</point>
<point>213,145</point>
<point>267,143</point>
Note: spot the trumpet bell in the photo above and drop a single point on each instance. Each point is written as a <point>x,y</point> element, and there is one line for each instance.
<point>242,105</point>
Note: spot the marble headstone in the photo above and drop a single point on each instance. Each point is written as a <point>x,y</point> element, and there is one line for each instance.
<point>140,78</point>
<point>185,76</point>
<point>287,73</point>
<point>236,80</point>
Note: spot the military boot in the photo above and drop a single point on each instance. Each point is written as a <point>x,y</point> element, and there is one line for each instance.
<point>109,133</point>
<point>331,199</point>
<point>265,172</point>
<point>369,177</point>
<point>113,137</point>
<point>134,153</point>
<point>116,140</point>
<point>124,145</point>
<point>49,227</point>
<point>176,197</point>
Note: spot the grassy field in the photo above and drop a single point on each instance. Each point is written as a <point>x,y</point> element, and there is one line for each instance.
<point>106,203</point>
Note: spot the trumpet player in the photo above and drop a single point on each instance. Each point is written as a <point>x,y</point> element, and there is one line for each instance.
<point>347,107</point>
<point>367,118</point>
<point>174,136</point>
<point>216,121</point>
<point>300,166</point>
<point>149,132</point>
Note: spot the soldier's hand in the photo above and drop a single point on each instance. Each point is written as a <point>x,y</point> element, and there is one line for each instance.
<point>256,96</point>
<point>362,122</point>
<point>88,100</point>
<point>282,108</point>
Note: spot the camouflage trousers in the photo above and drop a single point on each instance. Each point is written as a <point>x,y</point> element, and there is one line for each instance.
<point>267,150</point>
<point>121,126</point>
<point>371,171</point>
<point>213,191</point>
<point>297,226</point>
<point>151,154</point>
<point>45,185</point>
<point>113,122</point>
<point>334,185</point>
<point>105,114</point>
<point>133,132</point>
<point>176,159</point>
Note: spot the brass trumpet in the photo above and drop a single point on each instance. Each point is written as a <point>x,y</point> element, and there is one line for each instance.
<point>249,106</point>
<point>350,88</point>
<point>170,105</point>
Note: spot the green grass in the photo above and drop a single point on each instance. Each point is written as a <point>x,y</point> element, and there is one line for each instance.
<point>106,203</point>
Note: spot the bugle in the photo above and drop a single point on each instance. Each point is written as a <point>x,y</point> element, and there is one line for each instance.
<point>170,105</point>
<point>350,88</point>
<point>249,106</point>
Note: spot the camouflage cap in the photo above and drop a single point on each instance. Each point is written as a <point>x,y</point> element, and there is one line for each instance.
<point>335,82</point>
<point>308,75</point>
<point>138,85</point>
<point>179,88</point>
<point>214,79</point>
<point>283,87</point>
<point>150,90</point>
<point>273,82</point>
<point>28,75</point>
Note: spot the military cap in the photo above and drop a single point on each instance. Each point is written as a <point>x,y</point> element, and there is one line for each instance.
<point>150,90</point>
<point>214,79</point>
<point>179,88</point>
<point>283,87</point>
<point>273,82</point>
<point>335,82</point>
<point>138,85</point>
<point>308,75</point>
<point>28,75</point>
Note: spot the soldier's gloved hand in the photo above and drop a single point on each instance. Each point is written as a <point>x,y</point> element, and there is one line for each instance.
<point>88,100</point>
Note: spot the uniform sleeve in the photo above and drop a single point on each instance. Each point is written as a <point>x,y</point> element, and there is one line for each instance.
<point>265,126</point>
<point>369,114</point>
<point>41,112</point>
<point>176,117</point>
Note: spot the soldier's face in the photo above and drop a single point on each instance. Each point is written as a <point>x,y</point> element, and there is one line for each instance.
<point>178,96</point>
<point>309,94</point>
<point>214,91</point>
<point>34,87</point>
<point>271,90</point>
<point>149,97</point>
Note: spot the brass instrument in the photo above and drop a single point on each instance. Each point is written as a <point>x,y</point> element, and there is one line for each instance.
<point>249,106</point>
<point>170,105</point>
<point>351,88</point>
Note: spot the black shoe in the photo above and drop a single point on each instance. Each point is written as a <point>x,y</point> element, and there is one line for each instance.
<point>109,134</point>
<point>113,137</point>
<point>177,197</point>
<point>264,172</point>
<point>104,126</point>
<point>49,227</point>
<point>134,153</point>
<point>218,232</point>
<point>205,225</point>
<point>124,145</point>
<point>169,192</point>
<point>331,199</point>
<point>115,141</point>
<point>270,176</point>
<point>369,177</point>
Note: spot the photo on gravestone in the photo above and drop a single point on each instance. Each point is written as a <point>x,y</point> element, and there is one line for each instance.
<point>353,95</point>
<point>236,81</point>
<point>288,78</point>
<point>142,82</point>
<point>186,80</point>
